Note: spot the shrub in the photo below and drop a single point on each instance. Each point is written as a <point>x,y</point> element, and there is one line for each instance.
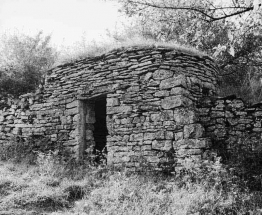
<point>246,161</point>
<point>23,61</point>
<point>18,149</point>
<point>225,191</point>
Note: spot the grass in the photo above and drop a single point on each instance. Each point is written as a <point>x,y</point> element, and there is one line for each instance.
<point>83,50</point>
<point>52,188</point>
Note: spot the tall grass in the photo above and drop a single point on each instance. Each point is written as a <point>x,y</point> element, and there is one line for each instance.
<point>51,188</point>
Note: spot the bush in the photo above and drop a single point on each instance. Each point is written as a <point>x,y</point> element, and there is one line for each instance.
<point>18,149</point>
<point>246,162</point>
<point>225,191</point>
<point>23,62</point>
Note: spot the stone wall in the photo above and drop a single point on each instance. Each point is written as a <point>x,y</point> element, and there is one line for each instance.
<point>152,97</point>
<point>230,123</point>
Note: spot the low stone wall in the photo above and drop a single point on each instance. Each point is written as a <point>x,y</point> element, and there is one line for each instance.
<point>32,116</point>
<point>229,122</point>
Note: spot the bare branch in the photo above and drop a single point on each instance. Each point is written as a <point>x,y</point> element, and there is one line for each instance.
<point>172,8</point>
<point>202,11</point>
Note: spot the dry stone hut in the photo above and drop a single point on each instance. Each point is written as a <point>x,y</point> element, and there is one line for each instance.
<point>135,101</point>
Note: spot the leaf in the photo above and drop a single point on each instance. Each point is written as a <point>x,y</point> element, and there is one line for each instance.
<point>231,51</point>
<point>230,35</point>
<point>219,49</point>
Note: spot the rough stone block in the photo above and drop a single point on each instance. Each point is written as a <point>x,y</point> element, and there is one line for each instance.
<point>152,159</point>
<point>187,152</point>
<point>2,118</point>
<point>193,131</point>
<point>169,135</point>
<point>71,111</point>
<point>155,117</point>
<point>163,93</point>
<point>179,91</point>
<point>162,74</point>
<point>184,116</point>
<point>200,143</point>
<point>162,145</point>
<point>110,102</point>
<point>72,104</point>
<point>149,136</point>
<point>179,136</point>
<point>136,137</point>
<point>167,115</point>
<point>173,82</point>
<point>119,109</point>
<point>175,101</point>
<point>148,76</point>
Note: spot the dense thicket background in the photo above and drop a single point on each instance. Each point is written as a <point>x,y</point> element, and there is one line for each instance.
<point>23,62</point>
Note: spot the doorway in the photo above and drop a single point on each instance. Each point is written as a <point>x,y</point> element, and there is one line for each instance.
<point>100,128</point>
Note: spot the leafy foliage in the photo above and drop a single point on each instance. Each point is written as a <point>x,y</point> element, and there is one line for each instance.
<point>23,61</point>
<point>230,31</point>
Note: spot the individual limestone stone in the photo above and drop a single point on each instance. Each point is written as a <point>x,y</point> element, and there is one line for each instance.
<point>167,115</point>
<point>153,83</point>
<point>76,118</point>
<point>148,76</point>
<point>184,116</point>
<point>152,159</point>
<point>119,109</point>
<point>200,143</point>
<point>2,118</point>
<point>169,135</point>
<point>71,111</point>
<point>155,117</point>
<point>179,91</point>
<point>163,93</point>
<point>162,74</point>
<point>187,152</point>
<point>162,145</point>
<point>63,119</point>
<point>179,136</point>
<point>54,137</point>
<point>146,147</point>
<point>72,104</point>
<point>136,137</point>
<point>175,101</point>
<point>173,82</point>
<point>112,102</point>
<point>160,135</point>
<point>149,136</point>
<point>193,131</point>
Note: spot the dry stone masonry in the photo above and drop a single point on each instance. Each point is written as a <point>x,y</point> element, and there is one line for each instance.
<point>155,103</point>
<point>230,122</point>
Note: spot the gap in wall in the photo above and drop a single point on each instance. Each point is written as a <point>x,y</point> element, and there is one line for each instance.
<point>100,128</point>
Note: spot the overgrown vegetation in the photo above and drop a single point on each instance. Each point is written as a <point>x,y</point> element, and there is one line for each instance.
<point>34,180</point>
<point>58,186</point>
<point>23,62</point>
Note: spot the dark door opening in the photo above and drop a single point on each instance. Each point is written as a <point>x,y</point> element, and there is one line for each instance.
<point>100,128</point>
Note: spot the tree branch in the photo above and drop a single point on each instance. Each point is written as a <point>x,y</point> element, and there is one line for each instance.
<point>211,18</point>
